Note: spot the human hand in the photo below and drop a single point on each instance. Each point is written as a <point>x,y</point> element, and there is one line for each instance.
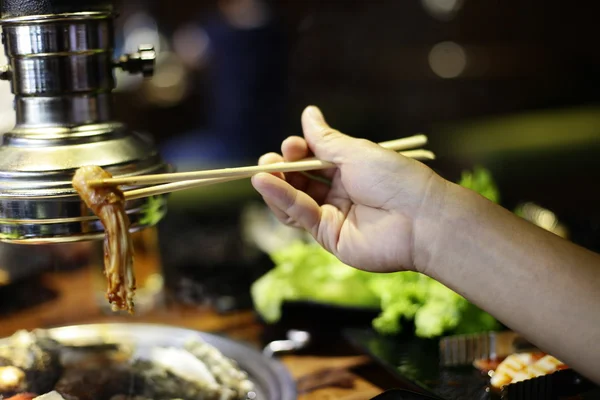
<point>369,217</point>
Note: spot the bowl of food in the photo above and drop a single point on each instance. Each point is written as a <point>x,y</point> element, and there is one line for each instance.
<point>136,361</point>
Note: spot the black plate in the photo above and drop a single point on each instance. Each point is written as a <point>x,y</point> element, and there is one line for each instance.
<point>308,315</point>
<point>415,363</point>
<point>324,322</point>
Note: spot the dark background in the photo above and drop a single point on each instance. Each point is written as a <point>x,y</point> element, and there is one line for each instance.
<point>525,106</point>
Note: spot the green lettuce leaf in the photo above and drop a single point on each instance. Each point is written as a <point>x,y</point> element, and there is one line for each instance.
<point>305,271</point>
<point>480,180</point>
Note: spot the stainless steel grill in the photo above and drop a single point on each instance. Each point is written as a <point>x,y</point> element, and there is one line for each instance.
<point>61,74</point>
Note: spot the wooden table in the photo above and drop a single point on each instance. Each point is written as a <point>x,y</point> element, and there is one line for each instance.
<point>76,304</point>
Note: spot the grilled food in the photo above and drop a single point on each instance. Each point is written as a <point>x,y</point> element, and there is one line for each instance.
<point>225,370</point>
<point>108,203</point>
<point>30,362</point>
<point>35,364</point>
<point>522,366</point>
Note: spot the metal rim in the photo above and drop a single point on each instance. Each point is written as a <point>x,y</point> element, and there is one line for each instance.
<point>53,132</point>
<point>23,189</point>
<point>60,230</point>
<point>36,19</point>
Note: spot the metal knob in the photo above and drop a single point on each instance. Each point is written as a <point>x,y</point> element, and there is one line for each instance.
<point>141,61</point>
<point>5,73</point>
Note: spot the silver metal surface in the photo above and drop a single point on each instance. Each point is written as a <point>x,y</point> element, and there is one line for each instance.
<point>296,340</point>
<point>465,349</point>
<point>61,73</point>
<point>27,155</point>
<point>82,109</point>
<point>272,380</point>
<point>60,58</point>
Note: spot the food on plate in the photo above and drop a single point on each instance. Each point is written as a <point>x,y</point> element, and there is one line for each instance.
<point>108,203</point>
<point>224,369</point>
<point>84,383</point>
<point>198,370</point>
<point>30,396</point>
<point>38,359</point>
<point>178,372</point>
<point>522,366</point>
<point>305,271</point>
<point>487,366</point>
<point>23,396</point>
<point>50,396</point>
<point>101,371</point>
<point>11,378</point>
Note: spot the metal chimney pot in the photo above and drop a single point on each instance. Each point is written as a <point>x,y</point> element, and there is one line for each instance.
<point>60,68</point>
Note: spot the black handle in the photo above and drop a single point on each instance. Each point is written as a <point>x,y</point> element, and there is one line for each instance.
<point>22,8</point>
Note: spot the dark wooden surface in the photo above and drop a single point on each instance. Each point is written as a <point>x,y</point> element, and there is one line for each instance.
<point>73,301</point>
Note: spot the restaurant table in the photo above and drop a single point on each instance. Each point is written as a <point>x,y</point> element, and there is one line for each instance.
<point>73,302</point>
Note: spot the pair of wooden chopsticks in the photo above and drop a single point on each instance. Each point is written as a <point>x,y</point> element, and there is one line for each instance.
<point>171,182</point>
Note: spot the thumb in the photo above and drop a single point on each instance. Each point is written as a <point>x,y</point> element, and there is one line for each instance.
<point>325,142</point>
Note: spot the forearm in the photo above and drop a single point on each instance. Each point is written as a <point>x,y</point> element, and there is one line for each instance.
<point>533,281</point>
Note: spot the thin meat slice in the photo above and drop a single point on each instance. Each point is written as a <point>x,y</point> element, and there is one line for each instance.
<point>108,203</point>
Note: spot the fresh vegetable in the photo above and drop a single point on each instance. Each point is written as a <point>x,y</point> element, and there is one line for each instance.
<point>305,271</point>
<point>480,180</point>
<point>308,272</point>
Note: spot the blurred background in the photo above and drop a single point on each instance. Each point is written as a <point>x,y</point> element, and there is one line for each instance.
<point>509,85</point>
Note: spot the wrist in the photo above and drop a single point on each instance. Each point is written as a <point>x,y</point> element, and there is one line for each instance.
<point>441,219</point>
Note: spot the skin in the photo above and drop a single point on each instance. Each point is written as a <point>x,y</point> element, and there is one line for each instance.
<point>384,213</point>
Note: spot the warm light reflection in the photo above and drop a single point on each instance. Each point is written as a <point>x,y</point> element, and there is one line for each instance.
<point>447,60</point>
<point>140,28</point>
<point>11,377</point>
<point>442,9</point>
<point>168,86</point>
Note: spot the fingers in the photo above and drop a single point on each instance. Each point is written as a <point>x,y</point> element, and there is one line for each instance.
<point>317,190</point>
<point>325,142</point>
<point>272,158</point>
<point>290,206</point>
<point>280,215</point>
<point>295,148</point>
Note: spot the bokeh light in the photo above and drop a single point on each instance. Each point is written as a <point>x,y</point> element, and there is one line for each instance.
<point>444,10</point>
<point>448,60</point>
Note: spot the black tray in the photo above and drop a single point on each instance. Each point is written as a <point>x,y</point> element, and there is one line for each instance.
<point>415,363</point>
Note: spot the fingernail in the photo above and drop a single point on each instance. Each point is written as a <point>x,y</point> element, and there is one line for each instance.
<point>315,115</point>
<point>257,177</point>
